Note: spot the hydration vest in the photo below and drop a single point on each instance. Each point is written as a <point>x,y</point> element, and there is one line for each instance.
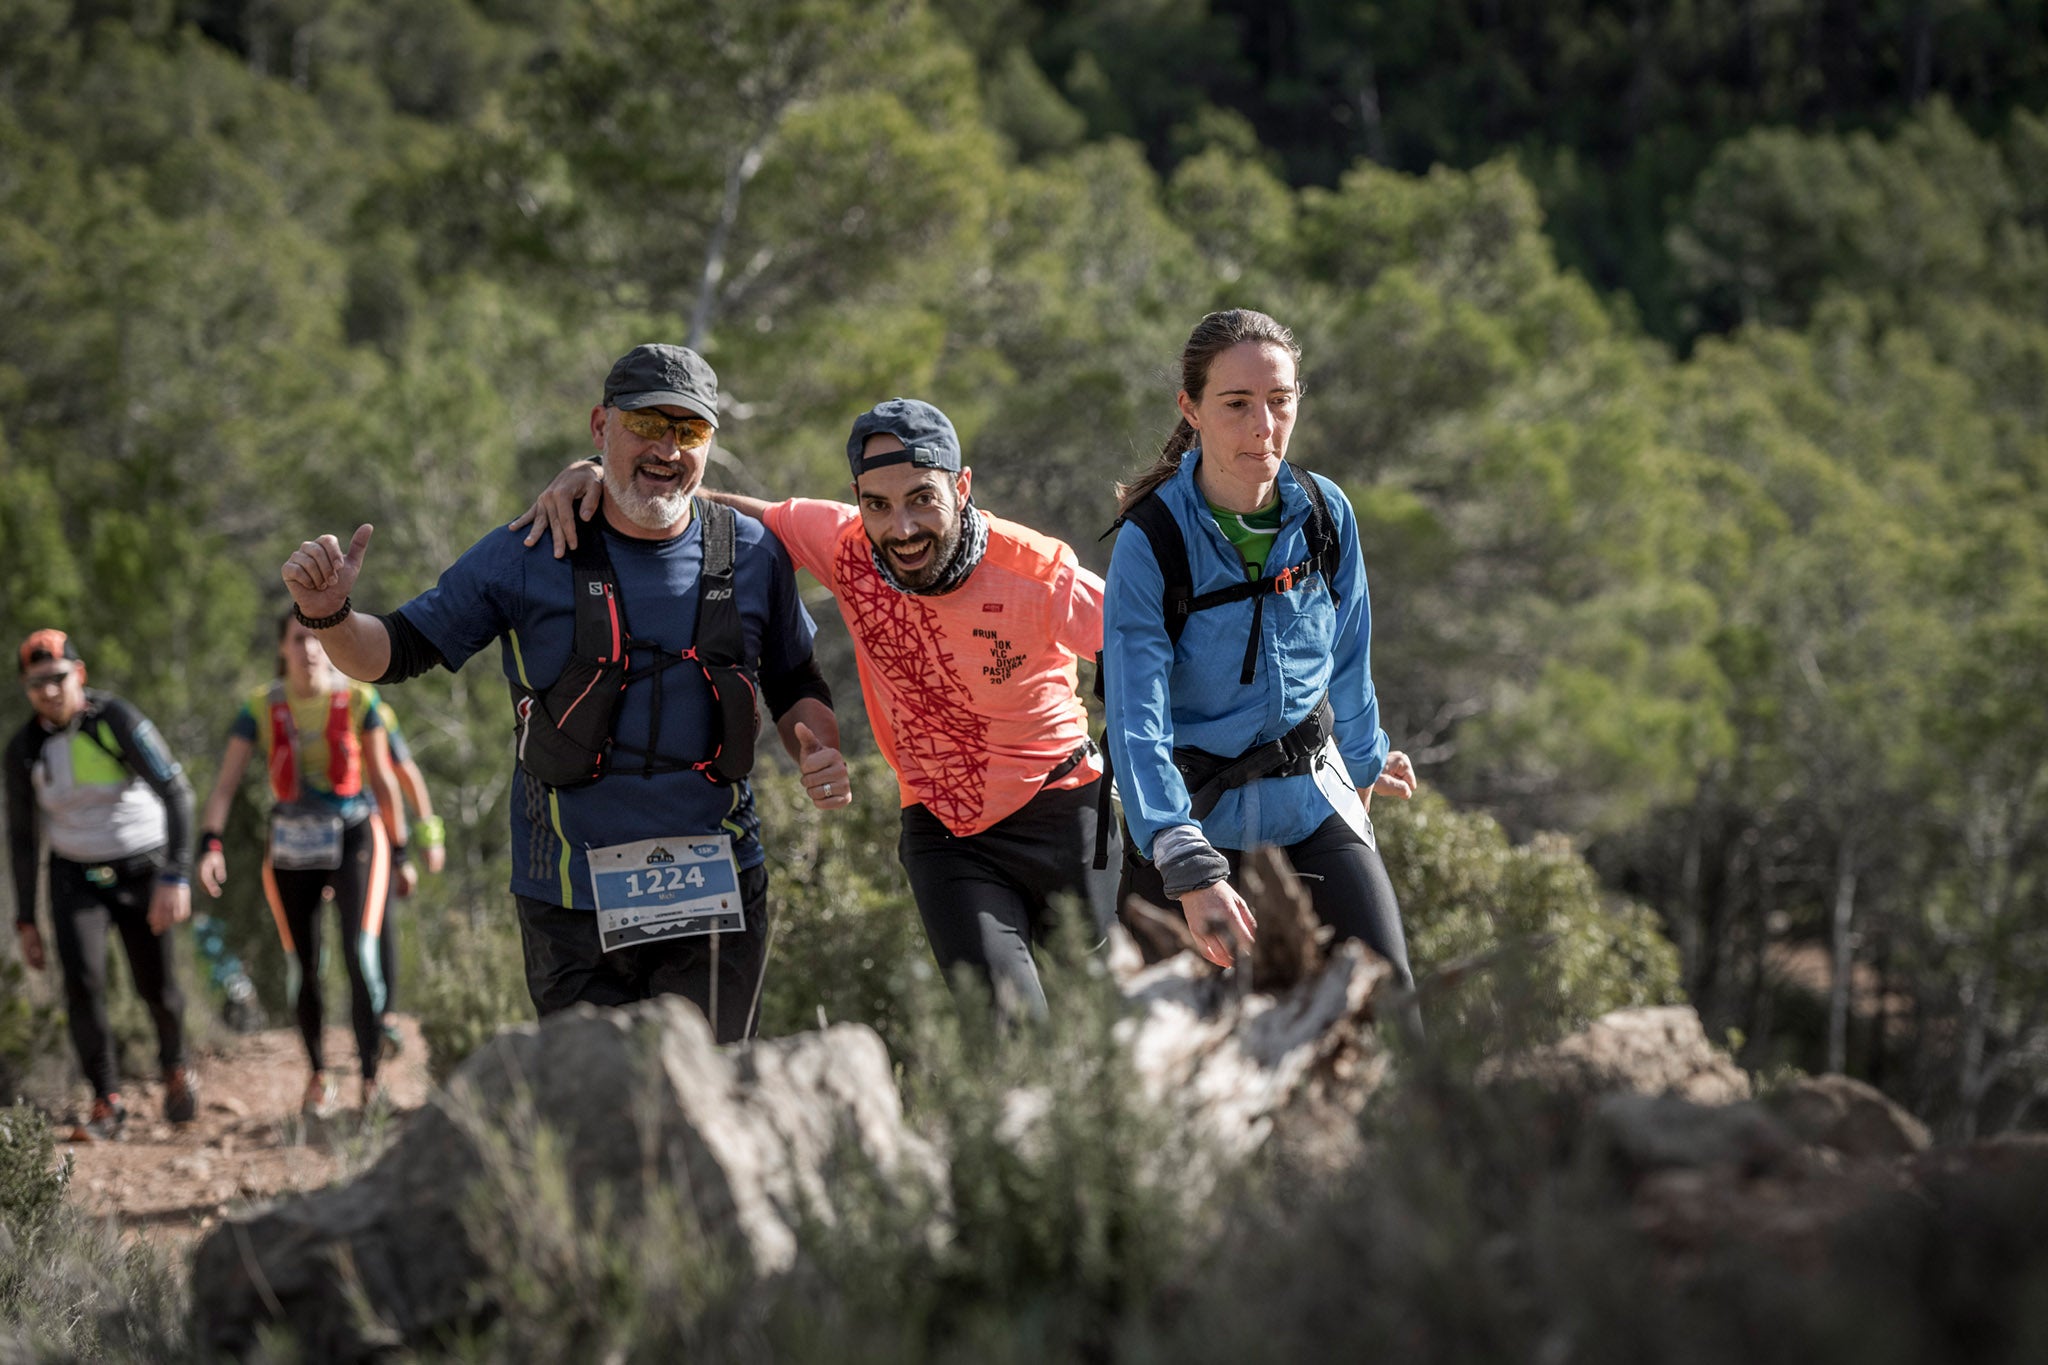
<point>344,748</point>
<point>1209,776</point>
<point>1151,515</point>
<point>564,733</point>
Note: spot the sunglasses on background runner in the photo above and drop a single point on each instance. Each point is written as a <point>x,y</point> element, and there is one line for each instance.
<point>36,682</point>
<point>650,425</point>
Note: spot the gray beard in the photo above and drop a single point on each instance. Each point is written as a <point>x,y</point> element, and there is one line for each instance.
<point>649,514</point>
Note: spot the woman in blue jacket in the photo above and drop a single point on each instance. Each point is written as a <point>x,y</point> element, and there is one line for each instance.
<point>1239,688</point>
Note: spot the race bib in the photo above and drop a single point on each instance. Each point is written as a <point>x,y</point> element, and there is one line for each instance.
<point>665,888</point>
<point>305,840</point>
<point>1333,779</point>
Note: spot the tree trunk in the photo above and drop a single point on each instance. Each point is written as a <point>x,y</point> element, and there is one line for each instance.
<point>1844,956</point>
<point>738,176</point>
<point>1369,117</point>
<point>1920,44</point>
<point>1973,1084</point>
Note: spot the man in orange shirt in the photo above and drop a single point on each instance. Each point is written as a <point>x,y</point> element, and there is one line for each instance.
<point>966,631</point>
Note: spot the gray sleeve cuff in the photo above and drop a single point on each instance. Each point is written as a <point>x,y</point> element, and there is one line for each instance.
<point>1186,860</point>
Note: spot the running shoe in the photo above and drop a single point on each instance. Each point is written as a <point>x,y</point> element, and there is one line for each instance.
<point>109,1116</point>
<point>320,1096</point>
<point>181,1095</point>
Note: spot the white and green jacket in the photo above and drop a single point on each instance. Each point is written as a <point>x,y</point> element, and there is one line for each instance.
<point>105,790</point>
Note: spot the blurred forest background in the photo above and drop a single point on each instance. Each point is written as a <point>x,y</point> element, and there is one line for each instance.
<point>1687,364</point>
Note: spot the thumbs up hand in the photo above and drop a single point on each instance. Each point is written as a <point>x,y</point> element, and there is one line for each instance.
<point>824,770</point>
<point>320,573</point>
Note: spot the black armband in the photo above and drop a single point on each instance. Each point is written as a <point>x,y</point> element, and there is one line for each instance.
<point>784,690</point>
<point>210,842</point>
<point>412,653</point>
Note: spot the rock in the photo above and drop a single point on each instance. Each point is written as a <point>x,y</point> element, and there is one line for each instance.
<point>644,1107</point>
<point>1849,1117</point>
<point>1650,1051</point>
<point>1646,1133</point>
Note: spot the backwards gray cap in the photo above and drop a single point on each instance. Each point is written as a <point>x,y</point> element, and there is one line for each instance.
<point>929,440</point>
<point>654,376</point>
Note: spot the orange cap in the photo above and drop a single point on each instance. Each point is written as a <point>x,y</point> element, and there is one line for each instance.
<point>46,646</point>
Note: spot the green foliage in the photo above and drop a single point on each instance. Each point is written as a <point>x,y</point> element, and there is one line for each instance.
<point>1575,951</point>
<point>635,1281</point>
<point>472,986</point>
<point>81,1289</point>
<point>32,1180</point>
<point>71,1287</point>
<point>848,944</point>
<point>28,1029</point>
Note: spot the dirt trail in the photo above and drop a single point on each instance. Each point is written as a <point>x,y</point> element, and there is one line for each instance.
<point>172,1183</point>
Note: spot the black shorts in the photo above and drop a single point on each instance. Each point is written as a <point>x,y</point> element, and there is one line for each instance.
<point>719,973</point>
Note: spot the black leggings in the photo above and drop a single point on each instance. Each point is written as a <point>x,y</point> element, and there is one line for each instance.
<point>359,887</point>
<point>387,945</point>
<point>80,913</point>
<point>1347,885</point>
<point>987,898</point>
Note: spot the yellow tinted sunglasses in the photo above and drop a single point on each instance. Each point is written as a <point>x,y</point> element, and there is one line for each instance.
<point>650,425</point>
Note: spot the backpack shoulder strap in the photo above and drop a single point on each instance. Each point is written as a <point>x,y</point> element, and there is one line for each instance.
<point>1323,546</point>
<point>1170,548</point>
<point>600,632</point>
<point>96,728</point>
<point>719,636</point>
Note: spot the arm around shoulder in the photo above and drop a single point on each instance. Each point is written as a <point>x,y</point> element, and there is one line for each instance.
<point>757,508</point>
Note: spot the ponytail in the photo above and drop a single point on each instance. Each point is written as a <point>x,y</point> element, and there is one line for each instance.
<point>1129,495</point>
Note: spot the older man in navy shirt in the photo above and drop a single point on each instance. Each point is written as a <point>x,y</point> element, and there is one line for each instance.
<point>634,670</point>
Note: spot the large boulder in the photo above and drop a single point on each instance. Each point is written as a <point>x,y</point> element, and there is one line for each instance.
<point>1661,1050</point>
<point>642,1106</point>
<point>1848,1116</point>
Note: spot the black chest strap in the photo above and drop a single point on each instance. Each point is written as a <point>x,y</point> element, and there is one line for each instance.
<point>565,730</point>
<point>1179,600</point>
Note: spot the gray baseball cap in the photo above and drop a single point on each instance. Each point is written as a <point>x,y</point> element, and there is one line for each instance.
<point>655,375</point>
<point>929,440</point>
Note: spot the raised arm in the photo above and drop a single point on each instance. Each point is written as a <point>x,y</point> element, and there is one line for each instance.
<point>321,575</point>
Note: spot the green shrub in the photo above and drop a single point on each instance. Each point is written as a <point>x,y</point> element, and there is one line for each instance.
<point>32,1182</point>
<point>1570,952</point>
<point>566,1284</point>
<point>69,1288</point>
<point>1066,1217</point>
<point>29,1031</point>
<point>471,984</point>
<point>848,942</point>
